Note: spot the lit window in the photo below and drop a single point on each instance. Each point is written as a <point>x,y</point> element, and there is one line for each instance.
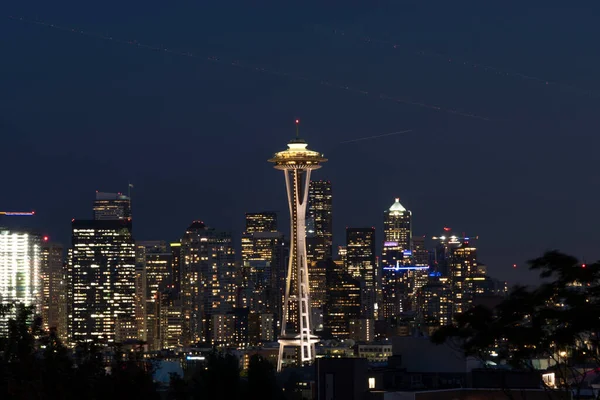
<point>371,383</point>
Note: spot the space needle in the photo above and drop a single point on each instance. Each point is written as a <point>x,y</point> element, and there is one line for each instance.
<point>297,162</point>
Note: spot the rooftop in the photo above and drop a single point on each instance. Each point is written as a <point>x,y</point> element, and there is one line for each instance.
<point>397,206</point>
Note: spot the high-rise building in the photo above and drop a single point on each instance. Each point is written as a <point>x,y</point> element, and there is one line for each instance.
<point>463,265</point>
<point>110,206</point>
<point>297,162</point>
<point>208,280</point>
<point>176,266</point>
<point>319,221</point>
<point>53,287</point>
<point>319,242</point>
<point>397,235</point>
<point>101,282</point>
<point>435,302</point>
<point>343,303</point>
<point>265,221</point>
<point>158,264</point>
<point>20,271</point>
<point>170,320</point>
<point>264,252</point>
<point>361,264</point>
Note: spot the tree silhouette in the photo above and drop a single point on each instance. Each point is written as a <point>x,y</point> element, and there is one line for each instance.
<point>559,321</point>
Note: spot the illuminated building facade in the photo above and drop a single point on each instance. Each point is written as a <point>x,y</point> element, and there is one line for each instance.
<point>176,266</point>
<point>265,221</point>
<point>435,302</point>
<point>463,265</point>
<point>101,284</point>
<point>264,252</point>
<point>397,235</point>
<point>319,243</point>
<point>20,271</point>
<point>111,206</point>
<point>343,303</point>
<point>208,285</point>
<point>361,264</point>
<point>319,221</point>
<point>297,162</point>
<point>170,320</point>
<point>158,267</point>
<point>53,287</point>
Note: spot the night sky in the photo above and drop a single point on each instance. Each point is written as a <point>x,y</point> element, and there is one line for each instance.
<point>80,114</point>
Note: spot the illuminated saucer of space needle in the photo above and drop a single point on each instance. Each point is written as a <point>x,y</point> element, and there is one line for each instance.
<point>297,155</point>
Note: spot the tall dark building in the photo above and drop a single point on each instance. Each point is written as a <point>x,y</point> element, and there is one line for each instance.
<point>176,267</point>
<point>208,280</point>
<point>54,287</point>
<point>265,221</point>
<point>264,253</point>
<point>101,287</point>
<point>343,301</point>
<point>319,221</point>
<point>361,264</point>
<point>157,260</point>
<point>110,206</point>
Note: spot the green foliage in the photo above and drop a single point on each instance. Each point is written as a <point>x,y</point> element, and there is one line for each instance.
<point>36,365</point>
<point>559,320</point>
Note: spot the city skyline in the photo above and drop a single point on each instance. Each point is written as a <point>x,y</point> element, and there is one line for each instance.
<point>175,119</point>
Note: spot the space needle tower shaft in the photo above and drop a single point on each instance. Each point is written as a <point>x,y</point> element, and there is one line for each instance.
<point>297,162</point>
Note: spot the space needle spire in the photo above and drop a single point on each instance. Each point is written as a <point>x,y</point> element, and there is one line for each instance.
<point>297,162</point>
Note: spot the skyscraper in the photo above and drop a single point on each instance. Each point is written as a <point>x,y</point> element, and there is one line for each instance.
<point>265,221</point>
<point>343,302</point>
<point>463,265</point>
<point>20,271</point>
<point>319,238</point>
<point>361,264</point>
<point>263,265</point>
<point>397,235</point>
<point>297,162</point>
<point>110,206</point>
<point>101,281</point>
<point>207,280</point>
<point>53,286</point>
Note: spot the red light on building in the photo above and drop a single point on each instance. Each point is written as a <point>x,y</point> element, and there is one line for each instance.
<point>46,238</point>
<point>297,121</point>
<point>514,265</point>
<point>582,265</point>
<point>447,229</point>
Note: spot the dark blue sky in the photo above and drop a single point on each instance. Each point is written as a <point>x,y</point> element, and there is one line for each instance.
<point>79,114</point>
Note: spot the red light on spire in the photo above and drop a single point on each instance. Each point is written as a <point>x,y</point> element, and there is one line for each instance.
<point>514,265</point>
<point>582,265</point>
<point>46,238</point>
<point>297,121</point>
<point>447,229</point>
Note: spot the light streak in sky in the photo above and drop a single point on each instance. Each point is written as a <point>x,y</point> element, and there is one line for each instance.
<point>376,136</point>
<point>268,71</point>
<point>459,61</point>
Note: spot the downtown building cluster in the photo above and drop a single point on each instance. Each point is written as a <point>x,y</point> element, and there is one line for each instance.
<point>108,288</point>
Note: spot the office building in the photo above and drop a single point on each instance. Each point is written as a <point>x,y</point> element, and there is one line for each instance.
<point>319,221</point>
<point>111,206</point>
<point>297,163</point>
<point>361,264</point>
<point>265,221</point>
<point>157,261</point>
<point>102,282</point>
<point>53,287</point>
<point>176,266</point>
<point>343,302</point>
<point>397,235</point>
<point>170,320</point>
<point>20,271</point>
<point>435,302</point>
<point>208,280</point>
<point>463,265</point>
